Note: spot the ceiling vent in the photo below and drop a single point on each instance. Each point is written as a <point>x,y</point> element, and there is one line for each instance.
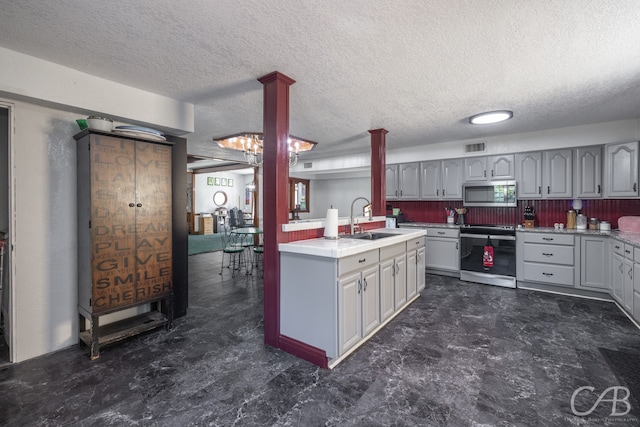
<point>308,165</point>
<point>478,147</point>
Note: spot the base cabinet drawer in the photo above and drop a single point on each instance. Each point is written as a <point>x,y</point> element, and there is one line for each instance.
<point>552,274</point>
<point>549,254</point>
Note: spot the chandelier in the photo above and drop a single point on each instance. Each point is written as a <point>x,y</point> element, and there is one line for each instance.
<point>250,143</point>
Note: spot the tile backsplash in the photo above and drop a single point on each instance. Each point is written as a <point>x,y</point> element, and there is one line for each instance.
<point>548,212</point>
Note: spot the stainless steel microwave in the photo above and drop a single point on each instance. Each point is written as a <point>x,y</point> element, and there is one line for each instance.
<point>490,194</point>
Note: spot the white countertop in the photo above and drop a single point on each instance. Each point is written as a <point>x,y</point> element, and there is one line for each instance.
<point>345,246</point>
<point>310,224</point>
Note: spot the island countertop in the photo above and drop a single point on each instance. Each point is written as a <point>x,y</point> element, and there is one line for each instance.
<point>345,246</point>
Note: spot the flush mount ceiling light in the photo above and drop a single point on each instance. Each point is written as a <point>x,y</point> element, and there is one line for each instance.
<point>250,143</point>
<point>490,117</point>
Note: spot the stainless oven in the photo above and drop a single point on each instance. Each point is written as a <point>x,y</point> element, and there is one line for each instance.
<point>488,254</point>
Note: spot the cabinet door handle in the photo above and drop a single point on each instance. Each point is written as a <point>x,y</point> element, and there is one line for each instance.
<point>546,254</point>
<point>139,205</point>
<point>396,193</point>
<point>548,274</point>
<point>359,285</point>
<point>362,260</point>
<point>443,192</point>
<point>630,273</point>
<point>598,188</point>
<point>485,173</point>
<point>456,245</point>
<point>400,193</point>
<point>365,284</point>
<point>438,192</point>
<point>635,186</point>
<point>627,251</point>
<point>131,205</point>
<point>548,189</point>
<point>617,247</point>
<point>539,190</point>
<point>547,238</point>
<point>492,172</point>
<point>397,269</point>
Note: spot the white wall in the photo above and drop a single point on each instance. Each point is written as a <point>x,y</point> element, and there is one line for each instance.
<point>340,193</point>
<point>203,193</point>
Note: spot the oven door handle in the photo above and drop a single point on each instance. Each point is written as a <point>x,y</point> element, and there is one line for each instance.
<point>491,236</point>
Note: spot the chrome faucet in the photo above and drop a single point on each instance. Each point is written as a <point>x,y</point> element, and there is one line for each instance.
<point>368,205</point>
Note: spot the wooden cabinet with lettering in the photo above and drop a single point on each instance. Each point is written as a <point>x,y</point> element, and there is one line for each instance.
<point>124,235</point>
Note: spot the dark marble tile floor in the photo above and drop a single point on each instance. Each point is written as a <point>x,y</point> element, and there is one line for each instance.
<point>462,355</point>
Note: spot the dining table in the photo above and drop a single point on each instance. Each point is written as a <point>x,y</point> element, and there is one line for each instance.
<point>246,237</point>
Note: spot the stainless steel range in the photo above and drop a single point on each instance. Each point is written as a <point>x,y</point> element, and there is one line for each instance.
<point>488,254</point>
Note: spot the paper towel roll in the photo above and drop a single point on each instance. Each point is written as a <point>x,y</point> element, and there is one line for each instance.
<point>331,224</point>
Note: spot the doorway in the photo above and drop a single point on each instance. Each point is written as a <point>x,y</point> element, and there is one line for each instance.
<point>5,233</point>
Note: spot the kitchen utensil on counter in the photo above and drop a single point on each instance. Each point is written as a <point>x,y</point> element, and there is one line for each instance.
<point>461,213</point>
<point>529,217</point>
<point>571,219</point>
<point>450,215</point>
<point>581,222</point>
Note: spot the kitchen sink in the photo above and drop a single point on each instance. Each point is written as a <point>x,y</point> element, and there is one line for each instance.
<point>369,236</point>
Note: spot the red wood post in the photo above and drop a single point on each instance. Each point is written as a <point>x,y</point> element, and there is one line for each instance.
<point>378,165</point>
<point>275,182</point>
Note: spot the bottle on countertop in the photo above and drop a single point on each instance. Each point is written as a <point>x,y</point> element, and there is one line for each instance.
<point>571,219</point>
<point>581,222</point>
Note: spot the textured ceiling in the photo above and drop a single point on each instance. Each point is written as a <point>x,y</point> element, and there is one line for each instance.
<point>417,68</point>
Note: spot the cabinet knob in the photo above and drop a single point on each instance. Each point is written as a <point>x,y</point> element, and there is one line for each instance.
<point>139,205</point>
<point>131,205</point>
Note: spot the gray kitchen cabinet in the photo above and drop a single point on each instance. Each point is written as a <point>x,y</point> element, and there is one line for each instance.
<point>617,277</point>
<point>594,263</point>
<point>545,175</point>
<point>443,250</point>
<point>635,304</point>
<point>622,274</point>
<point>359,306</point>
<point>415,266</point>
<point>588,173</point>
<point>392,182</point>
<point>400,281</point>
<point>529,175</point>
<point>557,178</point>
<point>547,258</point>
<point>387,288</point>
<point>488,168</point>
<point>441,180</point>
<point>403,181</point>
<point>393,292</point>
<point>621,170</point>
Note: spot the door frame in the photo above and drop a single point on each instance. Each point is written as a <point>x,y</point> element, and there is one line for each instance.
<point>9,262</point>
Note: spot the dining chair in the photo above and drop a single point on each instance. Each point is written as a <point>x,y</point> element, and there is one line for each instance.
<point>235,251</point>
<point>258,258</point>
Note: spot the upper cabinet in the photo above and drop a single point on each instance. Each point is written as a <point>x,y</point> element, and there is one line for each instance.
<point>402,181</point>
<point>621,170</point>
<point>489,168</point>
<point>441,180</point>
<point>545,175</point>
<point>587,179</point>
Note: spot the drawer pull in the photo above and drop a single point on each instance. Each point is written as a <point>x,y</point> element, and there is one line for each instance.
<point>546,254</point>
<point>548,239</point>
<point>362,260</point>
<point>627,251</point>
<point>548,274</point>
<point>617,247</point>
<point>441,232</point>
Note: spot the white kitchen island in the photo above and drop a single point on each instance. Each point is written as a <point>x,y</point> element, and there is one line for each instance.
<point>336,294</point>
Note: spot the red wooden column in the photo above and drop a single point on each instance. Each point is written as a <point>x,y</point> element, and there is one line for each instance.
<point>378,165</point>
<point>275,165</point>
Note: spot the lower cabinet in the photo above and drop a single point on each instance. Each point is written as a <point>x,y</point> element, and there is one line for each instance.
<point>443,249</point>
<point>415,266</point>
<point>358,306</point>
<point>547,258</point>
<point>393,278</point>
<point>594,263</point>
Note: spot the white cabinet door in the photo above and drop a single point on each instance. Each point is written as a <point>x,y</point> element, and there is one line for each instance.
<point>412,274</point>
<point>442,253</point>
<point>627,293</point>
<point>392,182</point>
<point>452,179</point>
<point>370,300</point>
<point>400,281</point>
<point>594,262</point>
<point>350,316</point>
<point>588,173</point>
<point>621,170</point>
<point>636,291</point>
<point>387,288</point>
<point>558,174</point>
<point>420,254</point>
<point>529,175</point>
<point>475,169</point>
<point>430,180</point>
<point>617,276</point>
<point>409,181</point>
<point>501,167</point>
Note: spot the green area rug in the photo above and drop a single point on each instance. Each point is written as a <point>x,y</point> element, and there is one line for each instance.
<point>201,243</point>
